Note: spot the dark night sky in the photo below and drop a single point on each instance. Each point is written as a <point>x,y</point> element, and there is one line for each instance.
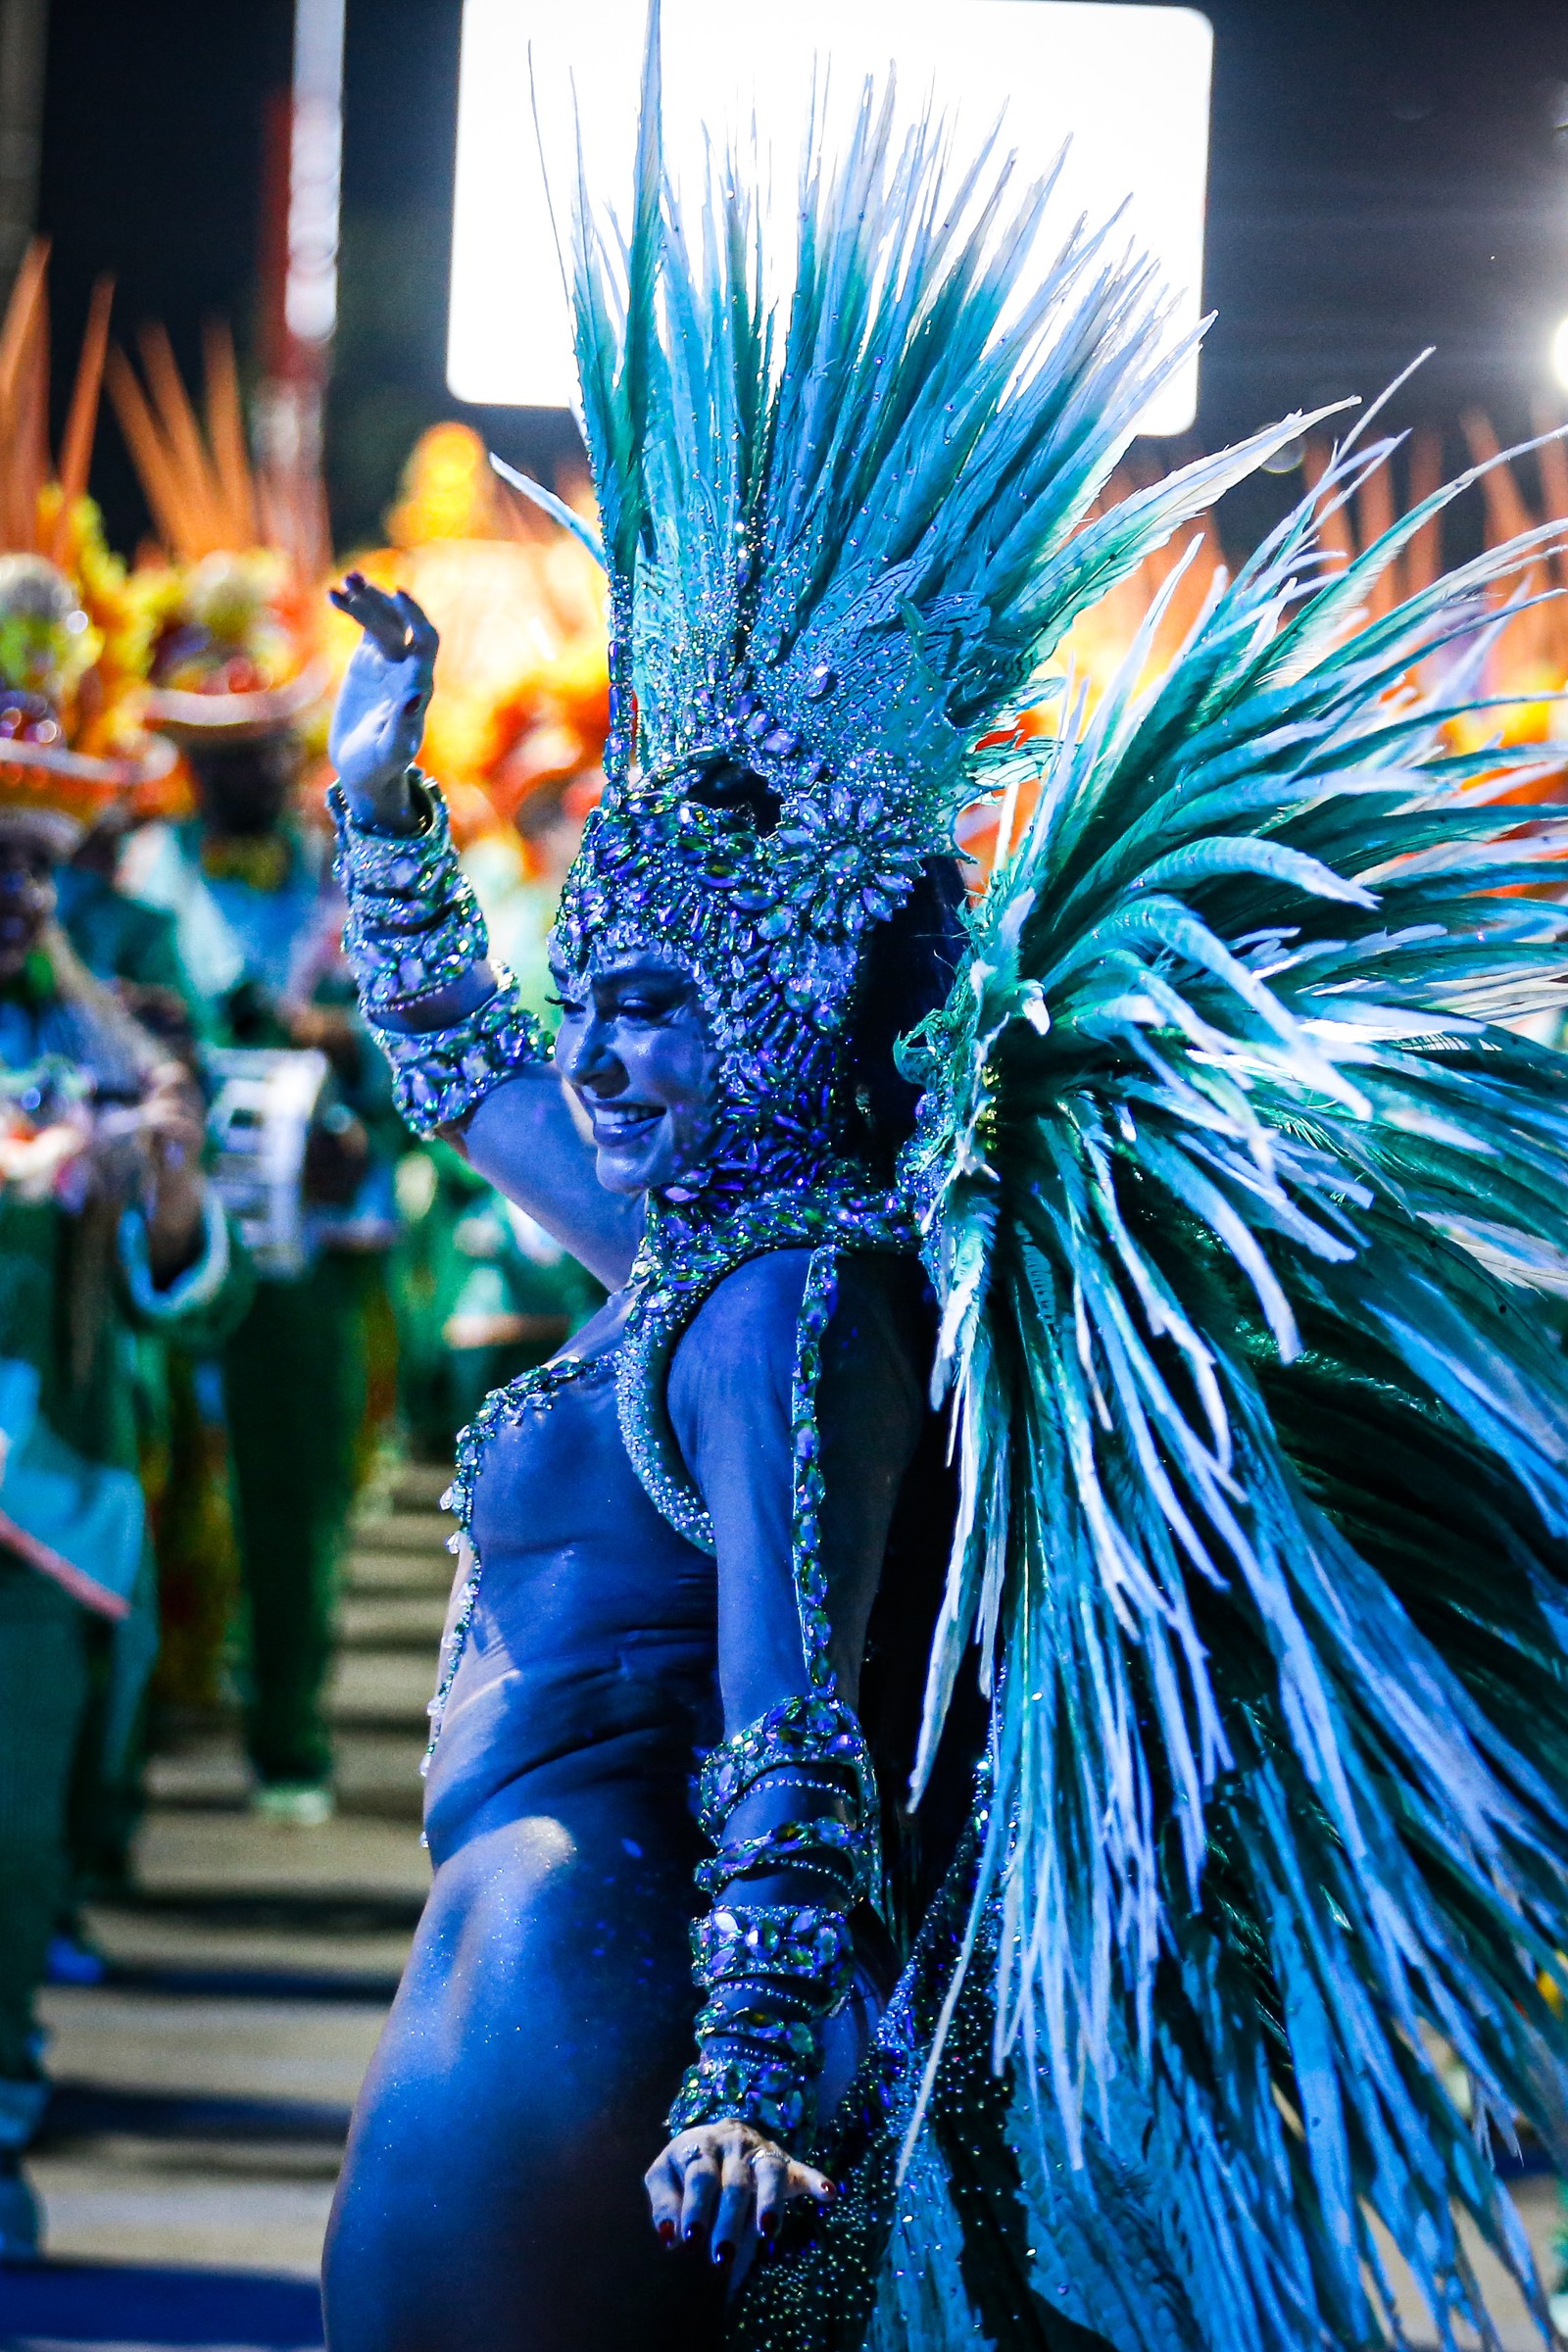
<point>1384,175</point>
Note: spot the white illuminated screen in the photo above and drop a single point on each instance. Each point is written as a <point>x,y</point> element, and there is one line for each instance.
<point>1129,85</point>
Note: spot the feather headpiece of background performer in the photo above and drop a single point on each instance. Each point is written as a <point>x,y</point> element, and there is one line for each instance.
<point>230,590</point>
<point>74,742</point>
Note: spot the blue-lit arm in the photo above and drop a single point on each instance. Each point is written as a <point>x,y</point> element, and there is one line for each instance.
<point>468,1059</point>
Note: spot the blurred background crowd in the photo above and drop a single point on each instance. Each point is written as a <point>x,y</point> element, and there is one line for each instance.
<point>235,1295</point>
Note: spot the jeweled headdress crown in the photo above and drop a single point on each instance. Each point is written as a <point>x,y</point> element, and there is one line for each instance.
<point>841,536</point>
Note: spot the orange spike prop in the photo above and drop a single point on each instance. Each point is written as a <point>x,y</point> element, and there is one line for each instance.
<point>225,432</point>
<point>1507,512</point>
<point>183,438</point>
<point>1423,558</point>
<point>81,424</point>
<point>24,403</point>
<point>156,468</point>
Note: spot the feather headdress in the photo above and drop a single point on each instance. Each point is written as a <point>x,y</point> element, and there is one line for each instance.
<point>840,533</point>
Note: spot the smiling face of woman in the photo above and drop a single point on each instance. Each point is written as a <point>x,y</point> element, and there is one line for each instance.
<point>634,1049</point>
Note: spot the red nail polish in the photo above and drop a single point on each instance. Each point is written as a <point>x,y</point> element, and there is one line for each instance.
<point>768,2224</point>
<point>829,2192</point>
<point>667,2231</point>
<point>724,2253</point>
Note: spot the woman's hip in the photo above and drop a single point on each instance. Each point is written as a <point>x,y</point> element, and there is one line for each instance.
<point>519,2093</point>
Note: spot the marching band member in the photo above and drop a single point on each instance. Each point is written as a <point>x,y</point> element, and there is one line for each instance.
<point>235,681</point>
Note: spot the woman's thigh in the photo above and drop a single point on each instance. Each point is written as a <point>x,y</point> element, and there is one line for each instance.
<point>491,2192</point>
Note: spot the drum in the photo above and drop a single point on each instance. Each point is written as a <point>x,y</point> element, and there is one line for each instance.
<point>263,1106</point>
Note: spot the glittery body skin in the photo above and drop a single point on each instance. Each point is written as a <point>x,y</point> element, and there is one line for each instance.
<point>760,2046</point>
<point>771,1179</point>
<point>491,2190</point>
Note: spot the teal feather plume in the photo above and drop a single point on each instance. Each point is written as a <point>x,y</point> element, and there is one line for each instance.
<point>1246,1214</point>
<point>866,504</point>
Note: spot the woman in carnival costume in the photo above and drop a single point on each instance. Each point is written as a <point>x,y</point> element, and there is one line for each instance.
<point>1237,1204</point>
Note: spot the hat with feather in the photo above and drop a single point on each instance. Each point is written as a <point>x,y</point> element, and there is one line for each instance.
<point>74,735</point>
<point>228,593</point>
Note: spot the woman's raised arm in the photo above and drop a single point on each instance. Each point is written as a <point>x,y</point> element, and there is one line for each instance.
<point>524,1139</point>
<point>468,1061</point>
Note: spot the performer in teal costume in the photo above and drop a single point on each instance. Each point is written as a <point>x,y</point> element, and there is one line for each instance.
<point>258,920</point>
<point>1239,1206</point>
<point>133,1248</point>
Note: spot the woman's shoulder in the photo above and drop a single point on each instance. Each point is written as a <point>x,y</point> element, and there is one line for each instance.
<point>745,1328</point>
<point>745,1332</point>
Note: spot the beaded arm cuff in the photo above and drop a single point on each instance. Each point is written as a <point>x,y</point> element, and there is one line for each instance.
<point>815,1732</point>
<point>413,928</point>
<point>772,1975</point>
<point>835,1850</point>
<point>439,1076</point>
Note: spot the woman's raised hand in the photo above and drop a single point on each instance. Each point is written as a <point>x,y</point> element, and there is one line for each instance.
<point>730,2184</point>
<point>380,715</point>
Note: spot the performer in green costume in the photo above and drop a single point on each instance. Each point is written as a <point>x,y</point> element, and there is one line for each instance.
<point>259,920</point>
<point>107,1229</point>
<point>235,679</point>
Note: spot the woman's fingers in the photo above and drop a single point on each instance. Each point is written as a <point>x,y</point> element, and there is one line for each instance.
<point>737,2187</point>
<point>662,2181</point>
<point>379,615</point>
<point>771,2172</point>
<point>421,636</point>
<point>701,2192</point>
<point>726,2182</point>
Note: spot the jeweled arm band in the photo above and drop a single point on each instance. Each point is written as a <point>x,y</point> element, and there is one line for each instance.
<point>773,1974</point>
<point>413,929</point>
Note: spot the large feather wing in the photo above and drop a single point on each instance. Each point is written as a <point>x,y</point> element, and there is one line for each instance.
<point>1248,1220</point>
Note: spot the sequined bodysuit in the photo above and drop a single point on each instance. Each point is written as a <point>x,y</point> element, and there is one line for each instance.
<point>492,2188</point>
